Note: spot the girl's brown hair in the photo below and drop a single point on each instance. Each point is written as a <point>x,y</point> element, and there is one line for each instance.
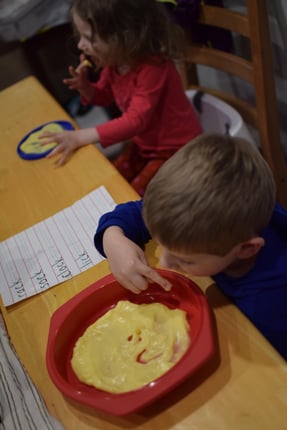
<point>135,29</point>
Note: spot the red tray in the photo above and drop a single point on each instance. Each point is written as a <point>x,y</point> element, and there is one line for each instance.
<point>70,321</point>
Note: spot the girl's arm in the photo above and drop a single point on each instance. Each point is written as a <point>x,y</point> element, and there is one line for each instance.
<point>146,88</point>
<point>68,142</point>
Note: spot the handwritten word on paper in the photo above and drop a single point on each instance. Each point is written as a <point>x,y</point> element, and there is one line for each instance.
<point>53,250</point>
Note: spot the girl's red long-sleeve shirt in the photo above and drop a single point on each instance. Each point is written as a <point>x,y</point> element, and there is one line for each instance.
<point>156,114</point>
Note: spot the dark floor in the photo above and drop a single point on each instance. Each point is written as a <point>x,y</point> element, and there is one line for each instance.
<point>46,56</point>
<point>13,65</point>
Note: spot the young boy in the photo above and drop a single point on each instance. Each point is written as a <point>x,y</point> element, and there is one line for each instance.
<point>211,207</point>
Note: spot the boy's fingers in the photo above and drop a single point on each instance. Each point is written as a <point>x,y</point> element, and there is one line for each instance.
<point>154,276</point>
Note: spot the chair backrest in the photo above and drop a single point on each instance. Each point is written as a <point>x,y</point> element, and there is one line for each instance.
<point>257,70</point>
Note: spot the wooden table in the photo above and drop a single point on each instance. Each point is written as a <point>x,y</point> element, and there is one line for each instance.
<point>243,387</point>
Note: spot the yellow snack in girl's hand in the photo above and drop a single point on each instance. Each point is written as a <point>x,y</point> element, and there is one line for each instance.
<point>87,63</point>
<point>130,346</point>
<point>31,145</point>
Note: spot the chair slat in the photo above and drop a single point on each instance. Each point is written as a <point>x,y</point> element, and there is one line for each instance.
<point>224,18</point>
<point>221,60</point>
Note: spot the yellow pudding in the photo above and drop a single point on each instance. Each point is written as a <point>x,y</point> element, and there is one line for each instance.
<point>130,346</point>
<point>31,145</point>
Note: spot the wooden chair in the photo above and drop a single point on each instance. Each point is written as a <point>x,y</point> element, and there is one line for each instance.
<point>257,71</point>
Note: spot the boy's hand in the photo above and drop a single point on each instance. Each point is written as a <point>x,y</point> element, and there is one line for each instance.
<point>68,142</point>
<point>128,262</point>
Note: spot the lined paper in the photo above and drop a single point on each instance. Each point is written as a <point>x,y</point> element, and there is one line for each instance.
<point>53,250</point>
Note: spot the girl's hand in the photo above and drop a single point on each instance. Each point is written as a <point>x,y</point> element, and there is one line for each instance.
<point>128,262</point>
<point>79,79</point>
<point>68,142</point>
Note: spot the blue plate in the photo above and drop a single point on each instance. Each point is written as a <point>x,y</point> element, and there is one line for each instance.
<point>30,149</point>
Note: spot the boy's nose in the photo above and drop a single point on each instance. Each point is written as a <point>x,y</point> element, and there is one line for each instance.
<point>167,261</point>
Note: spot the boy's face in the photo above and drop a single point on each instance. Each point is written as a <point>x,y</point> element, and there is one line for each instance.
<point>197,264</point>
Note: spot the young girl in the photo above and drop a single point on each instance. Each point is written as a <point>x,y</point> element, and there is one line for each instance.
<point>132,42</point>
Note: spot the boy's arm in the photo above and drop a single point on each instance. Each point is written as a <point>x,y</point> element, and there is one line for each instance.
<point>121,236</point>
<point>128,217</point>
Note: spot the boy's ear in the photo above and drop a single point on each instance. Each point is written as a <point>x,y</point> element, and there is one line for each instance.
<point>250,247</point>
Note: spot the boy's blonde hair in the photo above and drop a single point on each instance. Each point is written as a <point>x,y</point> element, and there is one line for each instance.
<point>214,193</point>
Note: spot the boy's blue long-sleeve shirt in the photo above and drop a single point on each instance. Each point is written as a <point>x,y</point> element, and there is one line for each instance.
<point>261,294</point>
